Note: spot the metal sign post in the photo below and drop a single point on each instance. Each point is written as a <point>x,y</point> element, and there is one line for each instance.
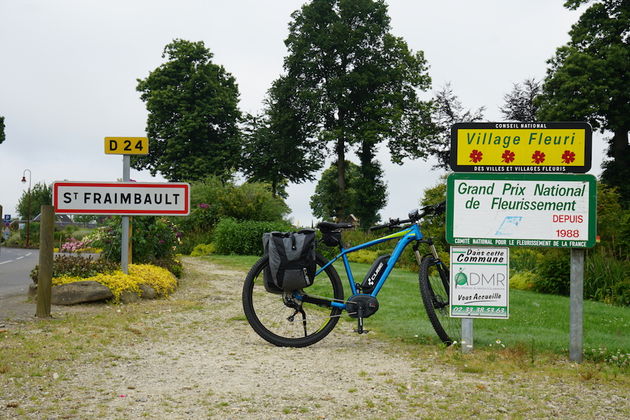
<point>124,240</point>
<point>576,309</point>
<point>495,181</point>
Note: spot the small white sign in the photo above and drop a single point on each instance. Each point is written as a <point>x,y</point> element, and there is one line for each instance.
<point>122,198</point>
<point>479,282</point>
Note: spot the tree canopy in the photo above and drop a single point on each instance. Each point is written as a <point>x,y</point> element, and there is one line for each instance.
<point>327,200</point>
<point>276,148</point>
<point>193,115</point>
<point>448,110</point>
<point>587,79</point>
<point>519,104</point>
<point>353,83</point>
<point>30,204</point>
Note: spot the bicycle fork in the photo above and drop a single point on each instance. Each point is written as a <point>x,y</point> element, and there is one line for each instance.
<point>431,248</point>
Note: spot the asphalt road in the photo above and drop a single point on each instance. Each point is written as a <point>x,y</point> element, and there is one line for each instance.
<point>15,266</point>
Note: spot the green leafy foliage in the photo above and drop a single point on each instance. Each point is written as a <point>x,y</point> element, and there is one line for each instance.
<point>519,104</point>
<point>212,200</point>
<point>447,110</point>
<point>434,226</point>
<point>244,237</point>
<point>328,201</point>
<point>587,80</point>
<point>613,222</point>
<point>553,273</point>
<point>31,202</point>
<point>290,155</point>
<point>193,115</point>
<point>203,249</point>
<point>351,83</point>
<point>607,279</point>
<point>153,239</point>
<point>78,266</point>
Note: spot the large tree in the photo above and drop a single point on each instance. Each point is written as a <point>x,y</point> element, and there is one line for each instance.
<point>193,115</point>
<point>448,110</point>
<point>275,146</point>
<point>327,202</point>
<point>519,104</point>
<point>354,83</point>
<point>588,78</point>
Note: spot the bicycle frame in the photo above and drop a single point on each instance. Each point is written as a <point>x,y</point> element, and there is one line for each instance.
<point>407,235</point>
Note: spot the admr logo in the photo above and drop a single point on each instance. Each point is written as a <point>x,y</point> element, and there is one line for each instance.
<point>461,279</point>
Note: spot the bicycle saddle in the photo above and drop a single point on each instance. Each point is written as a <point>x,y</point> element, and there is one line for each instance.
<point>330,226</point>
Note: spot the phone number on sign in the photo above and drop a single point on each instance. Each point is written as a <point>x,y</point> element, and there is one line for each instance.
<point>479,310</point>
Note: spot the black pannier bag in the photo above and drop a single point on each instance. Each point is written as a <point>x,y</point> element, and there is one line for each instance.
<point>291,260</point>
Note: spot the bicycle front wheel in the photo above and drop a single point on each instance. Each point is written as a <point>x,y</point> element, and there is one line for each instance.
<point>296,319</point>
<point>434,289</point>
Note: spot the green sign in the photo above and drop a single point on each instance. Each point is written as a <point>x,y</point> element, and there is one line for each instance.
<point>547,210</point>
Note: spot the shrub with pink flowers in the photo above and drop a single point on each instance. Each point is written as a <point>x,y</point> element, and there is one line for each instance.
<point>75,245</point>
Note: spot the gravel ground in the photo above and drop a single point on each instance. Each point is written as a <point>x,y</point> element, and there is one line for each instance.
<point>206,362</point>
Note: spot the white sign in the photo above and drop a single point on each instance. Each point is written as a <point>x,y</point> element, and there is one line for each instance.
<point>555,210</point>
<point>122,198</point>
<point>479,282</point>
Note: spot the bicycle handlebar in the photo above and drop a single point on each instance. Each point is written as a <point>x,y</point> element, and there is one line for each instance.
<point>414,216</point>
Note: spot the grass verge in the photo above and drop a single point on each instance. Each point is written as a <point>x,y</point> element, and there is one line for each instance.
<point>538,323</point>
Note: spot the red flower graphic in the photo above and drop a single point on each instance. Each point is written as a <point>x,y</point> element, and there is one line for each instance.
<point>538,157</point>
<point>568,156</point>
<point>508,156</point>
<point>476,156</point>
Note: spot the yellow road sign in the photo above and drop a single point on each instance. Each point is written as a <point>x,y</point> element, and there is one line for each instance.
<point>126,145</point>
<point>521,147</point>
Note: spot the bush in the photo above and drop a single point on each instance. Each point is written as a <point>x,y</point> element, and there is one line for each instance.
<point>554,272</point>
<point>153,239</point>
<point>525,259</point>
<point>607,279</point>
<point>203,249</point>
<point>173,265</point>
<point>191,239</point>
<point>523,280</point>
<point>77,266</point>
<point>244,238</point>
<point>160,279</point>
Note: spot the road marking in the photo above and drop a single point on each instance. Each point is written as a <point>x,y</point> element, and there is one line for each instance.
<point>4,262</point>
<point>19,258</point>
<point>28,254</point>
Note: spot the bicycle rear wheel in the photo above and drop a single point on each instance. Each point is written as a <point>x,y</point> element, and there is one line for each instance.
<point>291,319</point>
<point>434,289</point>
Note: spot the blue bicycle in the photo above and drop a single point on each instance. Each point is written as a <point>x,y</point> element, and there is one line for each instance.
<point>303,317</point>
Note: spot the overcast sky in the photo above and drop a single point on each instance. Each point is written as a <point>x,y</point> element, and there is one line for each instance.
<point>68,73</point>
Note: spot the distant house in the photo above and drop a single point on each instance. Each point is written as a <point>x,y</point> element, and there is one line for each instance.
<point>61,220</point>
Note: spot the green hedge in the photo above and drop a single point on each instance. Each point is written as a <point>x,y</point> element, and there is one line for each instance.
<point>244,238</point>
<point>606,278</point>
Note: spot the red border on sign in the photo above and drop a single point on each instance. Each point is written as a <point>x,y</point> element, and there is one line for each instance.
<point>185,187</point>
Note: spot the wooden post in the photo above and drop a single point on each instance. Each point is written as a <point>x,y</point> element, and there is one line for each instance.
<point>44,279</point>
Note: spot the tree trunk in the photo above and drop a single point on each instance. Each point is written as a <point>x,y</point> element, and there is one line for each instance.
<point>341,177</point>
<point>619,145</point>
